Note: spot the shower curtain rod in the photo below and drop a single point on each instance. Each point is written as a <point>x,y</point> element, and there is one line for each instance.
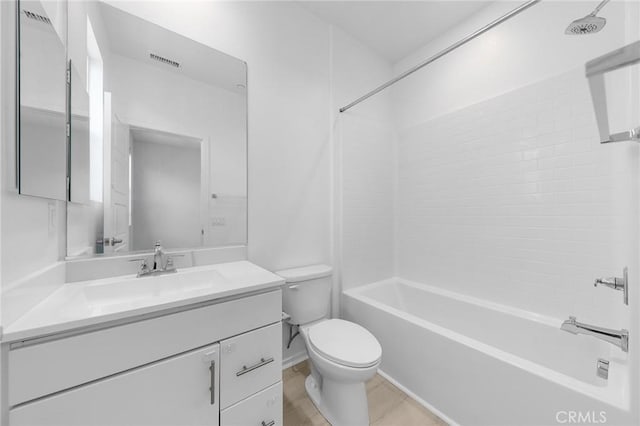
<point>442,53</point>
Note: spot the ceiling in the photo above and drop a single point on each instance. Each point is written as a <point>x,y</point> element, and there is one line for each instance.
<point>136,38</point>
<point>394,29</point>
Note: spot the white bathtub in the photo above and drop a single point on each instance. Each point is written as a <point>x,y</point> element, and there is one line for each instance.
<point>478,363</point>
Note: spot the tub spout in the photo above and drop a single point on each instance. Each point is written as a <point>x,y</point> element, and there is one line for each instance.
<point>619,338</point>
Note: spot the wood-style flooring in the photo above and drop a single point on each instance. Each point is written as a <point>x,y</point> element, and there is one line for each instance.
<point>388,405</point>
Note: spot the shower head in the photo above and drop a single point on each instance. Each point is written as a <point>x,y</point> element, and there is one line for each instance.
<point>589,24</point>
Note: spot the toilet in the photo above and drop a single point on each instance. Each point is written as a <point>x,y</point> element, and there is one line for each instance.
<point>343,355</point>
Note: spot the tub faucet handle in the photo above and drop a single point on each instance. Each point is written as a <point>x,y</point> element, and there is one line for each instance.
<point>617,283</point>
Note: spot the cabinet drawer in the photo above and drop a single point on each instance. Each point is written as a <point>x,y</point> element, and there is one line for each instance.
<point>44,368</point>
<point>250,362</point>
<point>263,408</point>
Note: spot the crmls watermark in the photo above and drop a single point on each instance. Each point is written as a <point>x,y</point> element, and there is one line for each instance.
<point>581,417</point>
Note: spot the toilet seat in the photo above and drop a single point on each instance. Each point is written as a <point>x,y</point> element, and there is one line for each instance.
<point>345,343</point>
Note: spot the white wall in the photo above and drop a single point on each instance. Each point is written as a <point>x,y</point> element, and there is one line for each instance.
<point>165,198</point>
<point>365,164</point>
<point>528,48</point>
<point>84,223</point>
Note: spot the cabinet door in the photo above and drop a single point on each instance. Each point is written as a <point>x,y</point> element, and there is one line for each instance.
<point>182,390</point>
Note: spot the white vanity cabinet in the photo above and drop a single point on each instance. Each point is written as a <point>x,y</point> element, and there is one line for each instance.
<point>175,368</point>
<point>181,390</point>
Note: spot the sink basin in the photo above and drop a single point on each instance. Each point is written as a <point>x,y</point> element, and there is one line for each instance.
<point>129,292</point>
<point>87,303</point>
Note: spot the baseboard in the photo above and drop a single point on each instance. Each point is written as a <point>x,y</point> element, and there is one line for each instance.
<point>293,360</point>
<point>419,400</point>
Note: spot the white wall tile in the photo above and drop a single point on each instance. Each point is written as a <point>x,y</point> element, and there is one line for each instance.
<point>365,187</point>
<point>523,218</point>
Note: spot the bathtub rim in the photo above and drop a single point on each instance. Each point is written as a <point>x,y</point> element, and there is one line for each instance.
<point>616,393</point>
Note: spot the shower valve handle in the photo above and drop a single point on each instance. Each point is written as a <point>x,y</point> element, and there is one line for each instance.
<point>617,283</point>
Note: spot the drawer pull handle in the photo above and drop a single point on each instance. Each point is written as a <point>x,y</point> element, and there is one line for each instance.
<point>271,423</point>
<point>246,369</point>
<point>212,389</point>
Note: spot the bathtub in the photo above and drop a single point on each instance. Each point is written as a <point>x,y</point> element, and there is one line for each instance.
<point>474,362</point>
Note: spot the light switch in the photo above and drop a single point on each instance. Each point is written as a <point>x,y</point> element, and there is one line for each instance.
<point>218,221</point>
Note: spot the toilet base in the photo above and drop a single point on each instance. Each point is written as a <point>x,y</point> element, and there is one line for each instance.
<point>341,404</point>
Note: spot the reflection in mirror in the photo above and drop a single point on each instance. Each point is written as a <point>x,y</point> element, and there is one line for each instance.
<point>42,140</point>
<point>172,132</point>
<point>79,139</point>
<point>165,188</point>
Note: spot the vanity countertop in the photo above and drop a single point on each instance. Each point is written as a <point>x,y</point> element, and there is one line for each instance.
<point>89,303</point>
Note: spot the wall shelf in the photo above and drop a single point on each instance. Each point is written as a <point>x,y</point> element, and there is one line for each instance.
<point>595,71</point>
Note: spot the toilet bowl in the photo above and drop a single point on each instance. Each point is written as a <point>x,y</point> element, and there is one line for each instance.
<point>343,355</point>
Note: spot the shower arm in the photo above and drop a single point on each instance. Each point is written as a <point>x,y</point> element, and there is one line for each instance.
<point>599,7</point>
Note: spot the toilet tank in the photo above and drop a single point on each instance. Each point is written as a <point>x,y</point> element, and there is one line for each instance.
<point>306,295</point>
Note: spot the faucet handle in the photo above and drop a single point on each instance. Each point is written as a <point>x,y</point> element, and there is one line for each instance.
<point>169,265</point>
<point>608,281</point>
<point>144,267</point>
<point>617,283</point>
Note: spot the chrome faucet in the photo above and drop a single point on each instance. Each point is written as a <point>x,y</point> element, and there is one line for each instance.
<point>617,283</point>
<point>162,263</point>
<point>158,257</point>
<point>619,338</point>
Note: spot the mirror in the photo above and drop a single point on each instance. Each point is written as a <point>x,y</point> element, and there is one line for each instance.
<point>167,157</point>
<point>79,138</point>
<point>42,92</point>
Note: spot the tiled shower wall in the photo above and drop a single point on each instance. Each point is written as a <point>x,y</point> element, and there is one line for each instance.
<point>514,200</point>
<point>368,200</point>
<point>364,172</point>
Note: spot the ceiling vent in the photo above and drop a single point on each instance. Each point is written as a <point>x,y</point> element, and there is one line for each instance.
<point>164,60</point>
<point>37,17</point>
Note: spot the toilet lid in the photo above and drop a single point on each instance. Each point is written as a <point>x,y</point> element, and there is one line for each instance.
<point>345,343</point>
